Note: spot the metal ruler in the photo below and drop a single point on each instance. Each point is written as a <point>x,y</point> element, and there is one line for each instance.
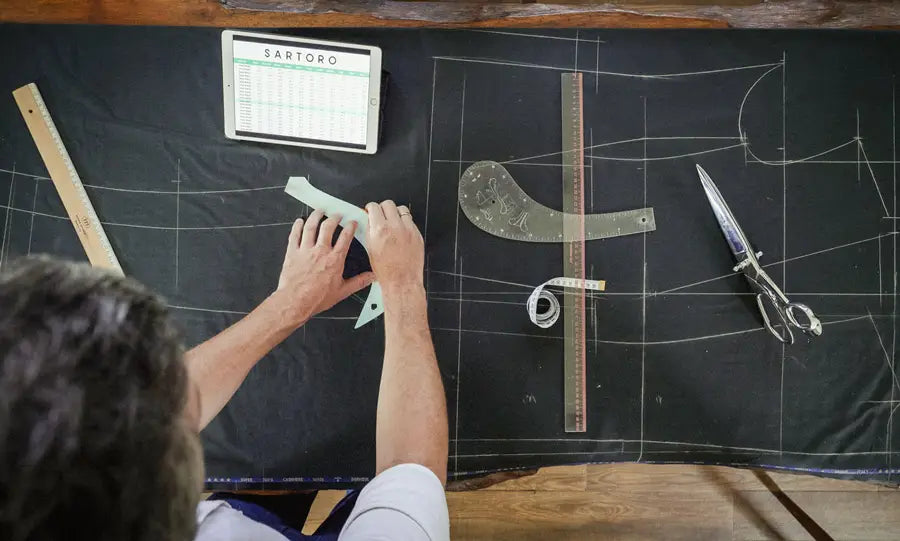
<point>65,178</point>
<point>492,200</point>
<point>574,312</point>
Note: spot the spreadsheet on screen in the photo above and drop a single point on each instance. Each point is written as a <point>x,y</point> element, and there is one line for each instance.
<point>300,93</point>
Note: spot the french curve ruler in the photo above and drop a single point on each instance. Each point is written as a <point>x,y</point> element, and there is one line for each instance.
<point>494,202</point>
<point>574,310</point>
<point>68,184</point>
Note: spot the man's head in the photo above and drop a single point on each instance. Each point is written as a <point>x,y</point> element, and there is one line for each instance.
<point>94,439</point>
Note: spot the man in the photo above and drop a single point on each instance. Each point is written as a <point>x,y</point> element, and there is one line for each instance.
<point>100,410</point>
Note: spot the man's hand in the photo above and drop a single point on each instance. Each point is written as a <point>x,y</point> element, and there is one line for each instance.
<point>396,249</point>
<point>312,275</point>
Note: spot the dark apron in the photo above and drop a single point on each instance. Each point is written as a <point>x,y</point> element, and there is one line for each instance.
<point>287,513</point>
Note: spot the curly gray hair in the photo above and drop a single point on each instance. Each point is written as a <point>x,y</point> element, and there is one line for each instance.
<point>93,389</point>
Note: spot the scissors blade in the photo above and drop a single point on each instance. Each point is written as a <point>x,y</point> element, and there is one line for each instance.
<point>734,235</point>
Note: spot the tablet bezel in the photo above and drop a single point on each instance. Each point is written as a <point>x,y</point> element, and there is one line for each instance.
<point>374,98</point>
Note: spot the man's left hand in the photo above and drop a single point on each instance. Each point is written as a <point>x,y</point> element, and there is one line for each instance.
<point>312,275</point>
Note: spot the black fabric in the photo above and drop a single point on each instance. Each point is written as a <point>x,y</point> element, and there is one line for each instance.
<point>684,373</point>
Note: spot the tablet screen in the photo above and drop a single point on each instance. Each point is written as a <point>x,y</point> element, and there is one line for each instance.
<point>303,93</point>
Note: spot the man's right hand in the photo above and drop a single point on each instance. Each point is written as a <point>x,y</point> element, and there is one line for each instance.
<point>396,249</point>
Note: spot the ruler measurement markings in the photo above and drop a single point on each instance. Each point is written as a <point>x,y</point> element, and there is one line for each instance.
<point>64,176</point>
<point>574,312</point>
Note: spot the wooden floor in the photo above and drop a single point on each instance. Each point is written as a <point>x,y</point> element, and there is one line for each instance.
<point>639,501</point>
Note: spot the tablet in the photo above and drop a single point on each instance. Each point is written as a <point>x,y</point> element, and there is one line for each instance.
<point>303,92</point>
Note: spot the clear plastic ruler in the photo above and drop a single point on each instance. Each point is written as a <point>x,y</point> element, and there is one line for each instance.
<point>68,184</point>
<point>494,202</point>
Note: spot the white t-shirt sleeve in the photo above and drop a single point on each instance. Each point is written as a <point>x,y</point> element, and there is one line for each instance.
<point>217,521</point>
<point>403,503</point>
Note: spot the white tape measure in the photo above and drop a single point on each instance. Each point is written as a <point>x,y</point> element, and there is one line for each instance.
<point>548,317</point>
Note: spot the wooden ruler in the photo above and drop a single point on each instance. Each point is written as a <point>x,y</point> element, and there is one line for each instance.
<point>65,178</point>
<point>574,312</point>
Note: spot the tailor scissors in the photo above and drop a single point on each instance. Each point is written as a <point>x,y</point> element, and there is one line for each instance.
<point>791,314</point>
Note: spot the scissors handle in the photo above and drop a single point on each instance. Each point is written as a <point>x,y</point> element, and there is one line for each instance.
<point>780,331</point>
<point>811,325</point>
<point>790,314</point>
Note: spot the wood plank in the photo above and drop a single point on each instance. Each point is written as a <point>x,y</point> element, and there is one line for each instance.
<point>551,479</point>
<point>539,516</point>
<point>641,501</point>
<point>214,13</point>
<point>321,508</point>
<point>843,515</point>
<point>755,14</point>
<point>361,13</point>
<point>685,478</point>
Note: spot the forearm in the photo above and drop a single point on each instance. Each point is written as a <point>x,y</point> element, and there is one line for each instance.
<point>219,365</point>
<point>411,421</point>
